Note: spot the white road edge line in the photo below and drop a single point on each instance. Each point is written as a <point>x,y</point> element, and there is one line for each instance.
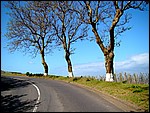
<point>38,99</point>
<point>38,90</point>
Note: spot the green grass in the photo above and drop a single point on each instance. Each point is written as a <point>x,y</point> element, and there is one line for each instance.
<point>137,94</point>
<point>11,74</point>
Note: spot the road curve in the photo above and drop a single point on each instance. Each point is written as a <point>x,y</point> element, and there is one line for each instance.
<point>58,96</point>
<point>17,95</point>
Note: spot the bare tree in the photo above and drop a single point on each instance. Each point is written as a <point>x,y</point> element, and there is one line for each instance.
<point>108,20</point>
<point>68,28</point>
<point>29,28</point>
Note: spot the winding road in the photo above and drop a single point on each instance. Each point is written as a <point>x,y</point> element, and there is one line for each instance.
<point>27,94</point>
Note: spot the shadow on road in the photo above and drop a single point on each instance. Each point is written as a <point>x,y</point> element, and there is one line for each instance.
<point>14,103</point>
<point>8,83</point>
<point>10,103</point>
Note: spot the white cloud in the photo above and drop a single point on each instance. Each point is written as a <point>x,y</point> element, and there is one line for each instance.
<point>141,58</point>
<point>30,62</point>
<point>89,68</point>
<point>134,64</point>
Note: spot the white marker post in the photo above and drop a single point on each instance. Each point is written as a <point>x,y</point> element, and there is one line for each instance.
<point>45,74</point>
<point>109,77</point>
<point>70,74</point>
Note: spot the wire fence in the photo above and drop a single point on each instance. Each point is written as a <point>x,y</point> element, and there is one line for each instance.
<point>141,78</point>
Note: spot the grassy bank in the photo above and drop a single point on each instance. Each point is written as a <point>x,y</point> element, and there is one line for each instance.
<point>137,94</point>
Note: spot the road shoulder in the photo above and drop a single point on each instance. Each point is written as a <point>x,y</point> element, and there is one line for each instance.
<point>124,105</point>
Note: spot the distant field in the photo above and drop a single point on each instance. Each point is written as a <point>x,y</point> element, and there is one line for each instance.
<point>137,94</point>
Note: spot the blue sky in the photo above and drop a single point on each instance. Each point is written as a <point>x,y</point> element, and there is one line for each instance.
<point>131,57</point>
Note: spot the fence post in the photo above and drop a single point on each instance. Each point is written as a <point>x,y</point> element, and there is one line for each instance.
<point>129,78</point>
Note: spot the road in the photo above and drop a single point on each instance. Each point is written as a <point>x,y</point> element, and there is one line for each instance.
<point>24,94</point>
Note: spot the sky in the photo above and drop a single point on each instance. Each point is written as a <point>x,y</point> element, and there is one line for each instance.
<point>132,56</point>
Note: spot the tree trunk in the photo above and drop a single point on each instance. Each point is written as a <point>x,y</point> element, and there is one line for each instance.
<point>109,66</point>
<point>108,53</point>
<point>70,72</point>
<point>44,64</point>
<point>45,68</point>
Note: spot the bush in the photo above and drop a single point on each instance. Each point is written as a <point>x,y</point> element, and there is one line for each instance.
<point>125,81</point>
<point>38,75</point>
<point>27,73</point>
<point>87,79</point>
<point>138,90</point>
<point>75,79</point>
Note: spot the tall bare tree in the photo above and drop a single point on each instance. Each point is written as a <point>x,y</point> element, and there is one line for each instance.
<point>108,20</point>
<point>68,28</point>
<point>29,28</point>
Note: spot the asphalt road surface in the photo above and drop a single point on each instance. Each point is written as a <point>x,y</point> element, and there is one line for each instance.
<point>24,94</point>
